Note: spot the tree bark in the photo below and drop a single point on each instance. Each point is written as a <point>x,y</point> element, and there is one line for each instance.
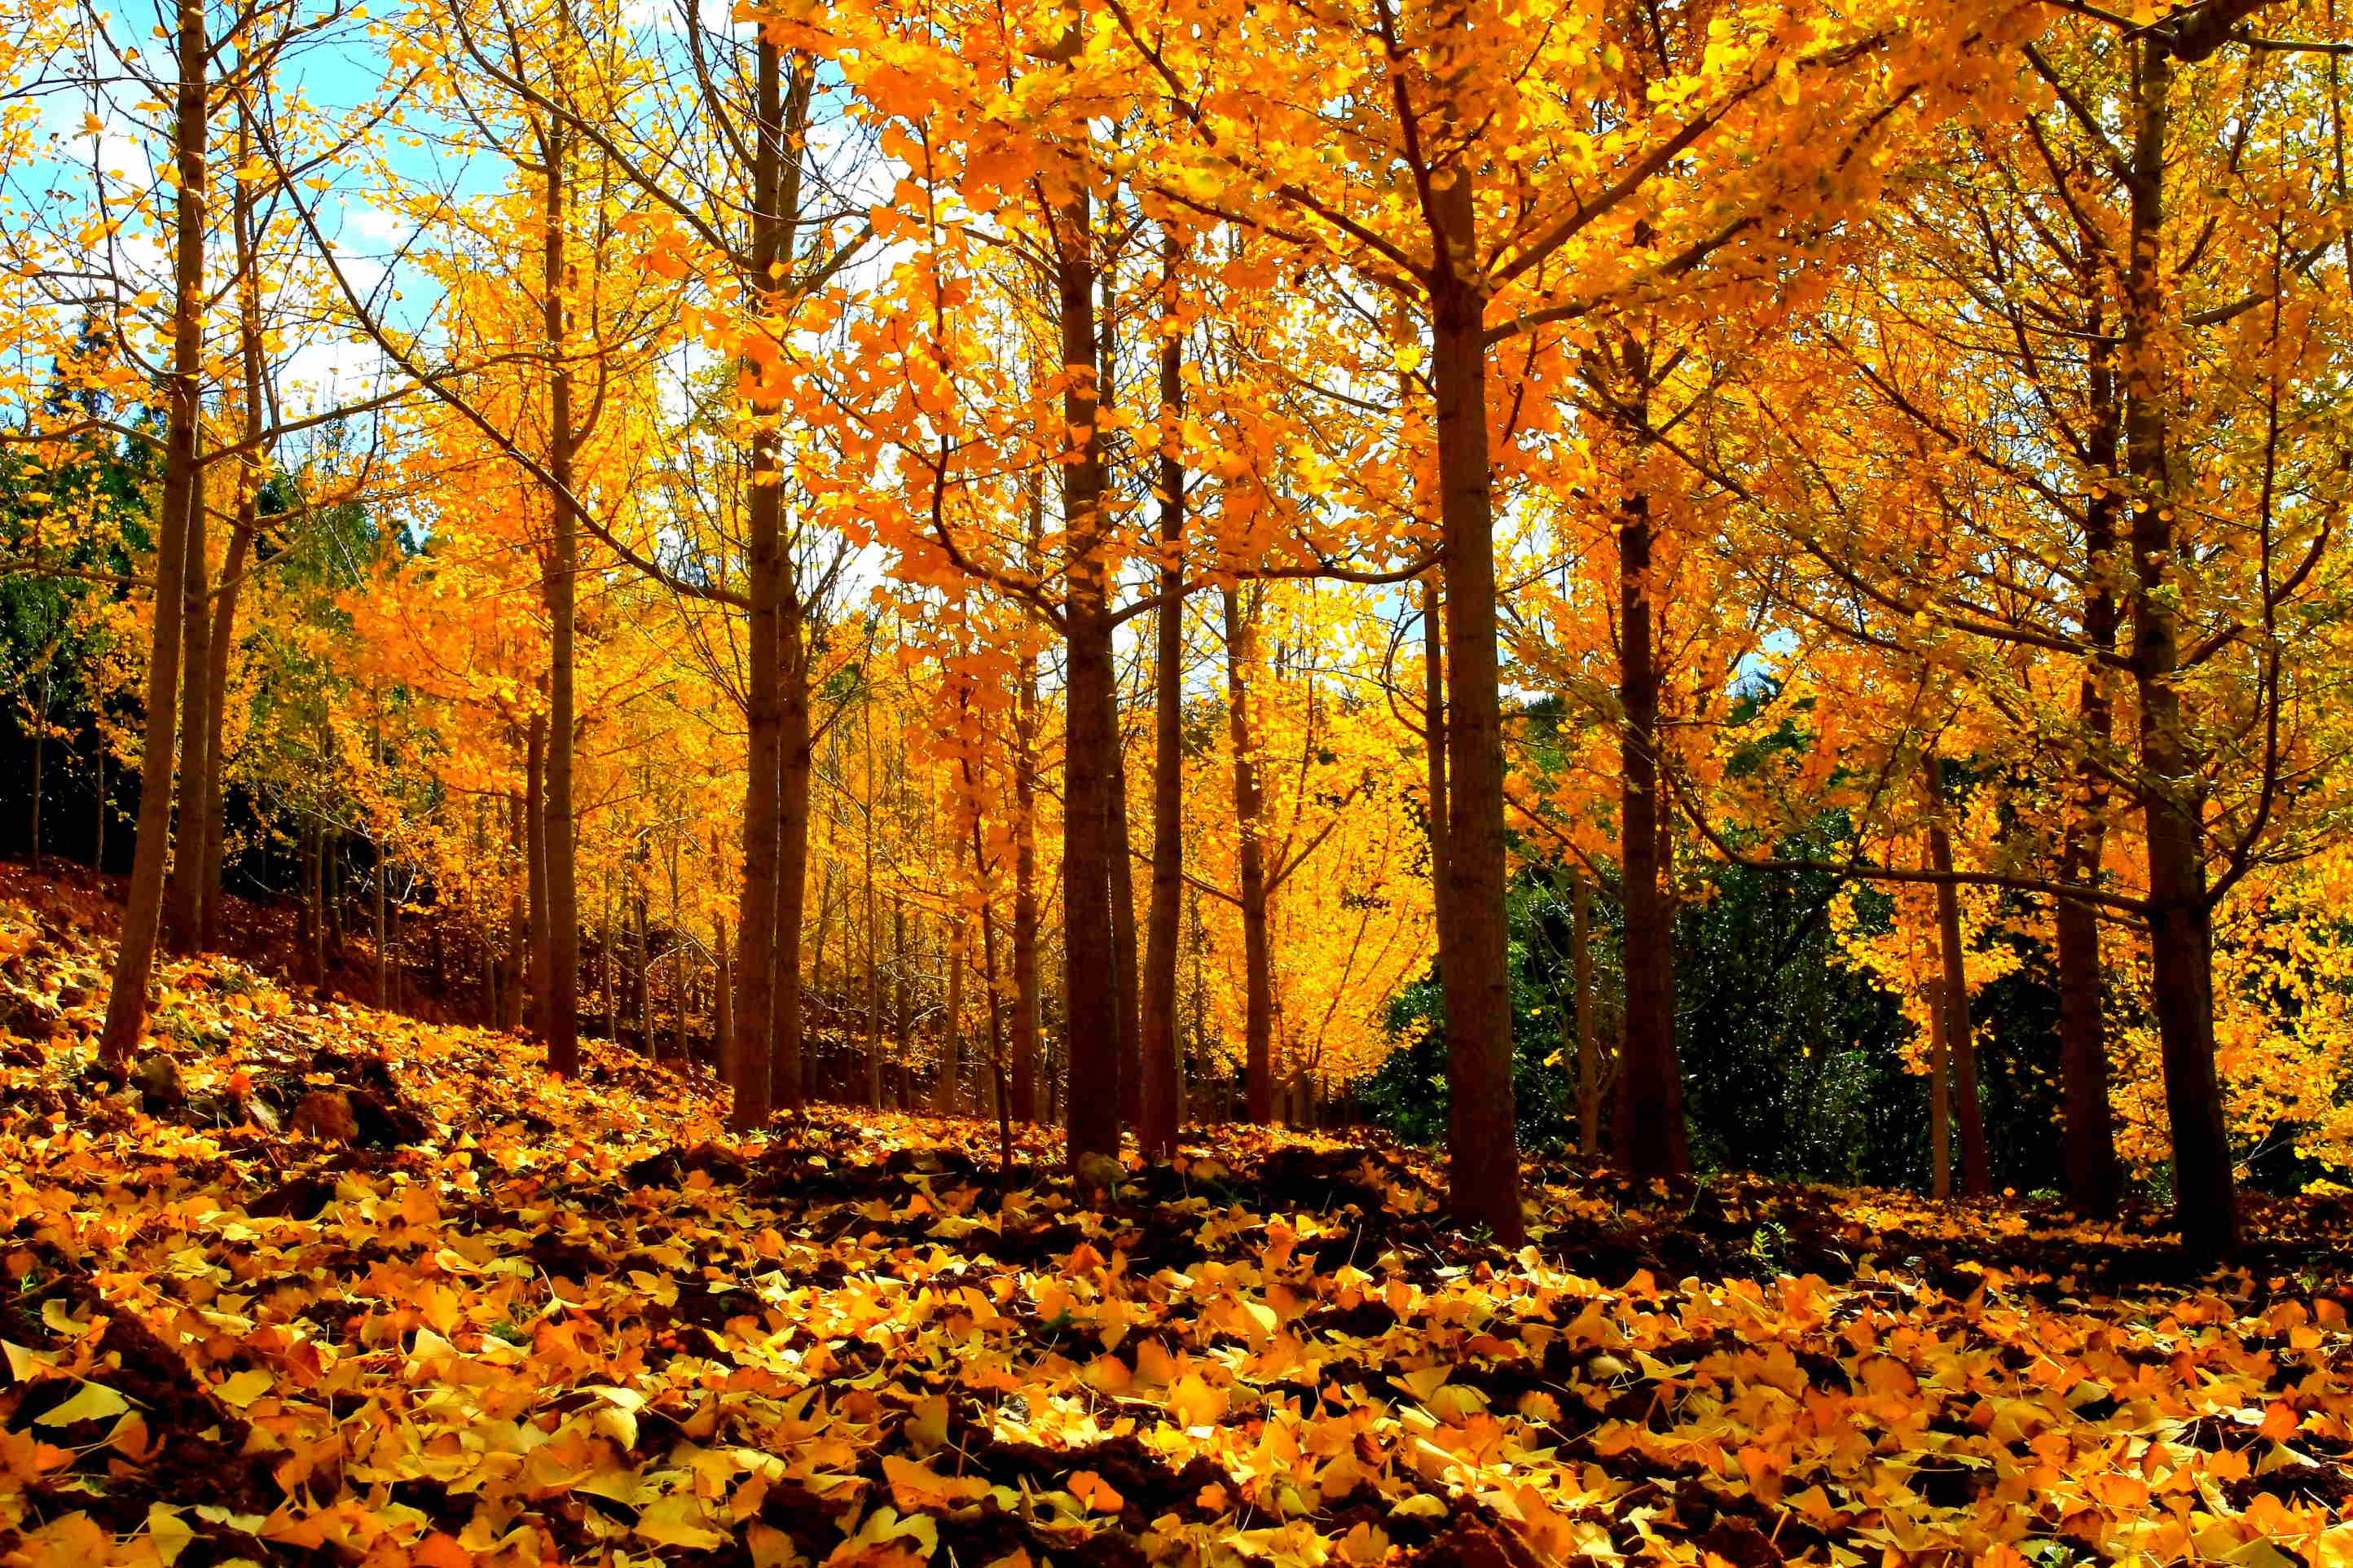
<point>1090,948</point>
<point>1960,1045</point>
<point>1123,945</point>
<point>254,365</point>
<point>1024,894</point>
<point>722,989</point>
<point>2180,913</point>
<point>310,921</point>
<point>561,1025</point>
<point>1162,1085</point>
<point>2094,1174</point>
<point>1433,735</point>
<point>873,936</point>
<point>1249,811</point>
<point>788,1072</point>
<point>1940,1099</point>
<point>1589,1045</point>
<point>759,912</point>
<point>1652,1136</point>
<point>947,1097</point>
<point>518,960</point>
<point>536,850</point>
<point>1482,1149</point>
<point>183,900</point>
<point>126,1002</point>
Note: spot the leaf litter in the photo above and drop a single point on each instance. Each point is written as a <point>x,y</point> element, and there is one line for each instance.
<point>335,1286</point>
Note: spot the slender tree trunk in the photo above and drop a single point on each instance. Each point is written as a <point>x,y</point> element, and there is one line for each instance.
<point>1090,787</point>
<point>1652,1140</point>
<point>383,930</point>
<point>40,760</point>
<point>644,978</point>
<point>1589,1044</point>
<point>722,989</point>
<point>1483,1150</point>
<point>989,976</point>
<point>561,1024</point>
<point>2180,913</point>
<point>331,895</point>
<point>827,998</point>
<point>1953,999</point>
<point>1433,735</point>
<point>759,915</point>
<point>518,957</point>
<point>1249,811</point>
<point>1124,943</point>
<point>535,798</point>
<point>1162,1070</point>
<point>903,1012</point>
<point>211,814</point>
<point>947,1098</point>
<point>873,936</point>
<point>184,897</point>
<point>254,371</point>
<point>2094,1175</point>
<point>1025,893</point>
<point>1940,1099</point>
<point>788,1074</point>
<point>306,906</point>
<point>126,1003</point>
<point>2095,1181</point>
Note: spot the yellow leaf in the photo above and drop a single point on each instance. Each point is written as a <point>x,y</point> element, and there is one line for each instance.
<point>245,1387</point>
<point>679,1520</point>
<point>96,1402</point>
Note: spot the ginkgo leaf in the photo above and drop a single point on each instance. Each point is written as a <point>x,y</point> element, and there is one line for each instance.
<point>90,1401</point>
<point>679,1520</point>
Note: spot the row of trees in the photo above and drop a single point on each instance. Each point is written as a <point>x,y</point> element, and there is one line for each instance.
<point>1099,480</point>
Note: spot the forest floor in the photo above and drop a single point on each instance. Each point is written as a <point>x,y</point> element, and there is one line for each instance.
<point>338,1287</point>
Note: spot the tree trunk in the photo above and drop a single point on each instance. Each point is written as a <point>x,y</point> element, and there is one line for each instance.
<point>722,989</point>
<point>644,978</point>
<point>1433,736</point>
<point>947,1098</point>
<point>254,365</point>
<point>1652,1136</point>
<point>1162,1070</point>
<point>2179,914</point>
<point>757,969</point>
<point>1589,1044</point>
<point>1090,791</point>
<point>306,924</point>
<point>1977,1164</point>
<point>1483,1150</point>
<point>903,1012</point>
<point>1025,893</point>
<point>212,813</point>
<point>535,798</point>
<point>40,761</point>
<point>1940,1099</point>
<point>183,900</point>
<point>561,1024</point>
<point>1124,944</point>
<point>518,962</point>
<point>126,1002</point>
<point>787,1073</point>
<point>873,940</point>
<point>2094,1174</point>
<point>383,930</point>
<point>1249,808</point>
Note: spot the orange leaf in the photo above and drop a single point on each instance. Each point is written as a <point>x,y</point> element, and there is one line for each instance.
<point>1096,1492</point>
